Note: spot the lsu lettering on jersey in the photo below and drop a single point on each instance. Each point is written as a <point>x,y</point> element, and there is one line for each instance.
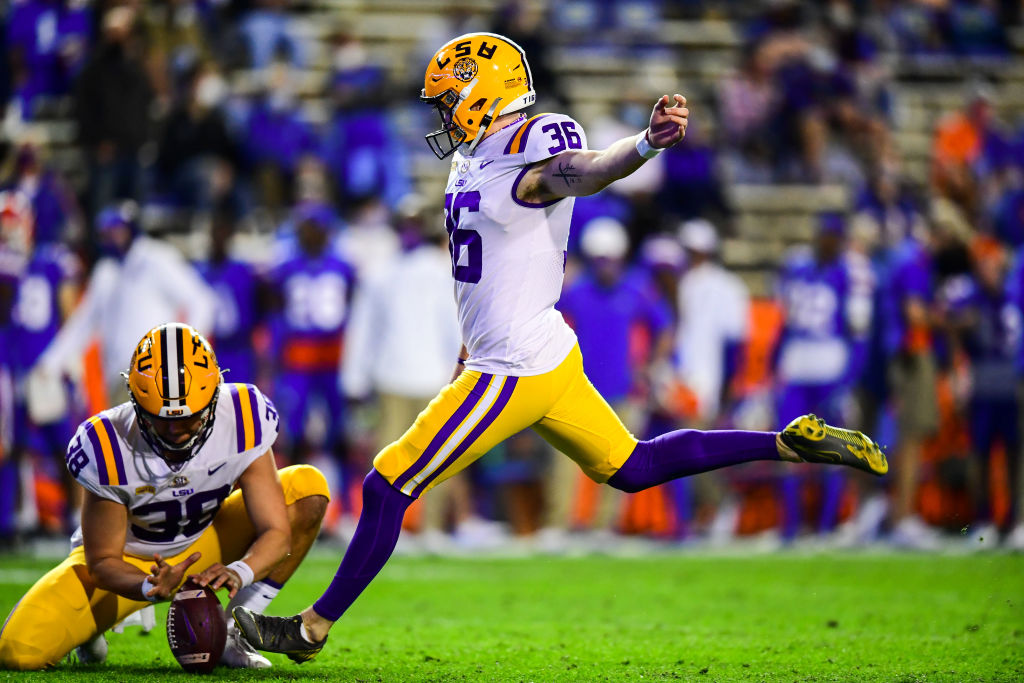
<point>508,256</point>
<point>168,510</point>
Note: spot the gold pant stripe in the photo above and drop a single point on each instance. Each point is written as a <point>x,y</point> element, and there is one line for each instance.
<point>562,406</point>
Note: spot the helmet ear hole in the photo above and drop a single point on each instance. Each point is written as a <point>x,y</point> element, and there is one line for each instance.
<point>478,105</point>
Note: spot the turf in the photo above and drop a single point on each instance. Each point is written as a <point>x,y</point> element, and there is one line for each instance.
<point>787,617</point>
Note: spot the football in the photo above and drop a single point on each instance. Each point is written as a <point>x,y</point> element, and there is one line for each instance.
<point>196,629</point>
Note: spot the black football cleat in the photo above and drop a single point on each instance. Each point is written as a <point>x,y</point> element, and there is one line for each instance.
<point>809,439</point>
<point>276,634</point>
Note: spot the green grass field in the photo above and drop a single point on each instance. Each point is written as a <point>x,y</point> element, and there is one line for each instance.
<point>787,617</point>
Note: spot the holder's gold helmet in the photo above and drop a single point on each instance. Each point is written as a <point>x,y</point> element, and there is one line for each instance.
<point>174,381</point>
<point>473,80</point>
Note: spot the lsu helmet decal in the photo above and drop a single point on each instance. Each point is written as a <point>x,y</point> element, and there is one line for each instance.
<point>472,80</point>
<point>174,381</point>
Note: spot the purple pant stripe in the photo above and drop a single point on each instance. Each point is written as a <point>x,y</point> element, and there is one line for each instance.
<point>256,427</point>
<point>118,461</point>
<point>481,427</point>
<point>446,431</point>
<point>97,449</point>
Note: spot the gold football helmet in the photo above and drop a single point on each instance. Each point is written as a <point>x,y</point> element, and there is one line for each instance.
<point>472,80</point>
<point>174,381</point>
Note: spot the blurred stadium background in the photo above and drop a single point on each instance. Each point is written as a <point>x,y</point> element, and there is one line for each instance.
<point>839,232</point>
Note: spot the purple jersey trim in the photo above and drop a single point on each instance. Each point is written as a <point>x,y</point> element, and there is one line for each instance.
<point>97,450</point>
<point>236,403</point>
<point>449,428</point>
<point>116,447</point>
<point>257,429</point>
<point>481,427</point>
<point>526,134</point>
<point>529,205</point>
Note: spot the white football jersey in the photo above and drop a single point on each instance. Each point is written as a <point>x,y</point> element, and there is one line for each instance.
<point>508,257</point>
<point>168,510</point>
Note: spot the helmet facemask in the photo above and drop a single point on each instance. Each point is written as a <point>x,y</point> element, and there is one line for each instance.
<point>456,135</point>
<point>176,454</point>
<point>444,141</point>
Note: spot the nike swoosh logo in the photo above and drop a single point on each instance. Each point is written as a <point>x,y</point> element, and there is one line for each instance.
<point>484,163</point>
<point>210,472</point>
<point>435,79</point>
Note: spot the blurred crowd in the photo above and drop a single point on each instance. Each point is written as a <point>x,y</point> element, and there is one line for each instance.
<point>275,206</point>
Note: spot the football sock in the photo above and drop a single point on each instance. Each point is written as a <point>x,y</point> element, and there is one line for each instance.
<point>689,451</point>
<point>256,596</point>
<point>376,534</point>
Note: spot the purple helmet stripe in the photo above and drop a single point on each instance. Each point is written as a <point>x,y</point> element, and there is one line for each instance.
<point>97,450</point>
<point>116,447</point>
<point>236,403</point>
<point>481,427</point>
<point>256,427</point>
<point>446,431</point>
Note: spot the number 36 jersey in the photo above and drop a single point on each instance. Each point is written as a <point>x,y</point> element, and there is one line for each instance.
<point>508,256</point>
<point>168,510</point>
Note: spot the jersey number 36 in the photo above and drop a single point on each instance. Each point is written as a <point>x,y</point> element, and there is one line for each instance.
<point>464,245</point>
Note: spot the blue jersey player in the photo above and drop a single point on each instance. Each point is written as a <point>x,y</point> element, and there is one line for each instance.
<point>826,297</point>
<point>314,290</point>
<point>235,285</point>
<point>987,327</point>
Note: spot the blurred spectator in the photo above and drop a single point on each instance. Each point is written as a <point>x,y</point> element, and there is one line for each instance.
<point>746,101</point>
<point>198,160</point>
<point>234,283</point>
<point>986,326</point>
<point>46,42</point>
<point>968,146</point>
<point>692,187</point>
<point>313,290</point>
<point>887,200</point>
<point>360,146</point>
<point>611,315</point>
<point>974,28</point>
<point>139,283</point>
<point>713,320</point>
<point>524,22</point>
<point>174,36</point>
<point>401,343</point>
<point>276,136</point>
<point>45,293</point>
<point>906,297</point>
<point>113,98</point>
<point>369,241</point>
<point>53,205</point>
<point>821,353</point>
<point>270,30</point>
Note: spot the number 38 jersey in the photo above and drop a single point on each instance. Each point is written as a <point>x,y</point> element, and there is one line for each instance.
<point>508,256</point>
<point>168,510</point>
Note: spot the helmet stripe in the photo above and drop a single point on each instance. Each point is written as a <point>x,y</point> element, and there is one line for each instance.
<point>164,368</point>
<point>179,373</point>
